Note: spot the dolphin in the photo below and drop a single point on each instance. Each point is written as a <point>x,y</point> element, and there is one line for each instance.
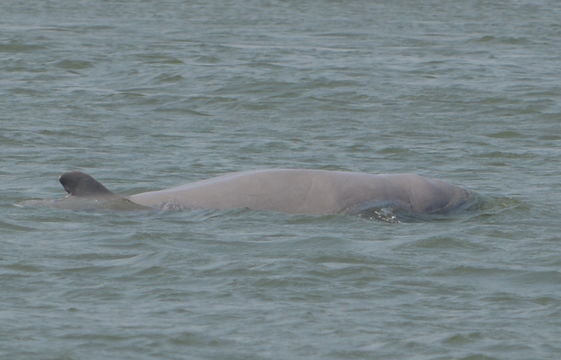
<point>85,192</point>
<point>296,191</point>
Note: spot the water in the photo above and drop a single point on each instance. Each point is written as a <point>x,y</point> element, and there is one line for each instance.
<point>145,95</point>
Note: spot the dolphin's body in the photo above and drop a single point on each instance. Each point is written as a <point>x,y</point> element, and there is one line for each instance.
<point>316,192</point>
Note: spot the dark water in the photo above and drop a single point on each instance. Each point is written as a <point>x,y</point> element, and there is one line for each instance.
<point>149,94</point>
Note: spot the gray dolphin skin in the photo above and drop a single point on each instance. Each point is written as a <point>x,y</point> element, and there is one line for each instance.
<point>298,191</point>
<point>79,184</point>
<point>85,192</point>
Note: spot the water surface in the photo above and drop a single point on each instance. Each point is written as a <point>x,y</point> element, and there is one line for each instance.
<point>146,95</point>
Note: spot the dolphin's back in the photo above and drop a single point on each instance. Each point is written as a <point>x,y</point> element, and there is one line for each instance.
<point>308,192</point>
<point>292,191</point>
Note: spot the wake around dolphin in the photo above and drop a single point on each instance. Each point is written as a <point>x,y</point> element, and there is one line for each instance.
<point>297,191</point>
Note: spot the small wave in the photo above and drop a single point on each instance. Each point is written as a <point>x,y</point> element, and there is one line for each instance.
<point>392,212</point>
<point>506,40</point>
<point>6,226</point>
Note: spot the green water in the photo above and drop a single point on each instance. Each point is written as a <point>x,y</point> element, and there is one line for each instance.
<point>149,94</point>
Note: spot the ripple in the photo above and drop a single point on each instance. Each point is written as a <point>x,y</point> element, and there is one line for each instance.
<point>74,64</point>
<point>507,134</point>
<point>9,226</point>
<point>153,93</point>
<point>159,59</point>
<point>17,47</point>
<point>505,40</point>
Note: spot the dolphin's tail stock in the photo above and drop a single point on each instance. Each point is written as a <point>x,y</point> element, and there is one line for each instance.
<point>85,193</point>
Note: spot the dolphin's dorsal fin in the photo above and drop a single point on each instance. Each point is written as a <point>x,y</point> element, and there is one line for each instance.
<point>77,183</point>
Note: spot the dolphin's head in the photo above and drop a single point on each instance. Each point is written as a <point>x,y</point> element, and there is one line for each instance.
<point>77,183</point>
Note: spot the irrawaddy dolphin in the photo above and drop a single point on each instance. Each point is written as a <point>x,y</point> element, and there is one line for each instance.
<point>297,191</point>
